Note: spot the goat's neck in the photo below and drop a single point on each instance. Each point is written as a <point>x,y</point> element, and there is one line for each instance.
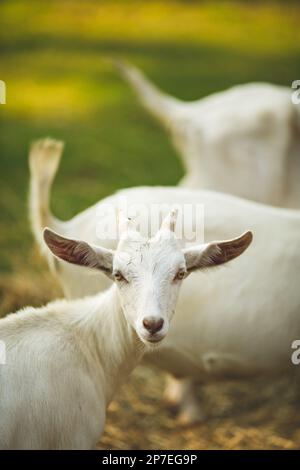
<point>115,345</point>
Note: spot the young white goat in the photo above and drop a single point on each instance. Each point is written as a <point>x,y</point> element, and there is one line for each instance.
<point>243,141</point>
<point>239,323</point>
<point>64,361</point>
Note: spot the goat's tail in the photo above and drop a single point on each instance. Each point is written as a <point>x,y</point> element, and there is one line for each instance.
<point>164,107</point>
<point>44,158</point>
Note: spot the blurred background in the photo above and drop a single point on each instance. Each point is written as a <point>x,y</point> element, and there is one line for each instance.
<point>55,60</point>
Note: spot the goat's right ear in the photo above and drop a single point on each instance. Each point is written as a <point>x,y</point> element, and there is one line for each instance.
<point>79,252</point>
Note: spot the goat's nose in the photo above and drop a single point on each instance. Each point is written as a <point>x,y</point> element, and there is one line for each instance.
<point>152,324</point>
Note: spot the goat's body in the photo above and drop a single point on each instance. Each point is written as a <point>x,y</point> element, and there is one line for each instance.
<point>63,362</point>
<point>239,321</point>
<point>244,141</point>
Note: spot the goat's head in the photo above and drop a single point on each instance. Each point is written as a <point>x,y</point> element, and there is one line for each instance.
<point>148,272</point>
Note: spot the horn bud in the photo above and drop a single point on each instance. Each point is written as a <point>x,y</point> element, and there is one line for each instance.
<point>169,221</point>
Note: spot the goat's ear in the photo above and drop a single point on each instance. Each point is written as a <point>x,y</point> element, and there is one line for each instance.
<point>79,252</point>
<point>216,253</point>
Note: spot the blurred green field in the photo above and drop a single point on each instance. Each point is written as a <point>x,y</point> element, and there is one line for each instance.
<point>54,58</point>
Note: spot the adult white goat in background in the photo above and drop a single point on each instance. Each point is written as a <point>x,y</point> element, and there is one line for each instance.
<point>243,141</point>
<point>239,323</point>
<point>65,360</point>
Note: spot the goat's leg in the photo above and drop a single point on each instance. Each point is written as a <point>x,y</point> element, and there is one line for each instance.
<point>182,395</point>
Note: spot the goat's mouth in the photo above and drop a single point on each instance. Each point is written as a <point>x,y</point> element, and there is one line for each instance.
<point>152,340</point>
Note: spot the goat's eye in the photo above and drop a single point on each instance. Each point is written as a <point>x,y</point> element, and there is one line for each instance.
<point>119,276</point>
<point>180,275</point>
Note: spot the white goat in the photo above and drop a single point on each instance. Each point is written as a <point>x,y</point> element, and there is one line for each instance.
<point>65,360</point>
<point>243,141</point>
<point>237,323</point>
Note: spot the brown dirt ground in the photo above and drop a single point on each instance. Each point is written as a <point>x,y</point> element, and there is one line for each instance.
<point>252,415</point>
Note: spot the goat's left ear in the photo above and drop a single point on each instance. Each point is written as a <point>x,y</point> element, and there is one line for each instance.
<point>216,253</point>
<point>79,252</point>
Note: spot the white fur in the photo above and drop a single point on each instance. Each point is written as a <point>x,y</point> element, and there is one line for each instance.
<point>244,141</point>
<point>64,362</point>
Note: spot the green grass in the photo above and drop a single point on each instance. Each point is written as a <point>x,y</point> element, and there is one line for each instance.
<point>60,83</point>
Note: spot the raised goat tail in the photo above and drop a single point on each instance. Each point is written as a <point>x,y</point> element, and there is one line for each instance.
<point>164,107</point>
<point>44,158</point>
